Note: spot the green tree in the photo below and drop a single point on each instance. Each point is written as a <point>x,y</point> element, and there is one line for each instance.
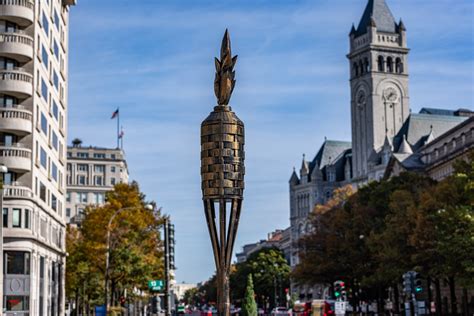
<point>249,306</point>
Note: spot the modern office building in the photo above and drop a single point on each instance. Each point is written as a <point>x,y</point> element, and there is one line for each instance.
<point>33,112</point>
<point>91,172</point>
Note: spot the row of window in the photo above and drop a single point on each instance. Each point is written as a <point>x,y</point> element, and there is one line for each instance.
<point>84,180</point>
<point>20,218</point>
<point>82,197</point>
<point>49,166</point>
<point>81,154</point>
<point>48,197</point>
<point>383,65</point>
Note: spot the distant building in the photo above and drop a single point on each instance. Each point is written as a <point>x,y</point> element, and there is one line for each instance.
<point>91,172</point>
<point>386,137</point>
<point>278,239</point>
<point>179,289</point>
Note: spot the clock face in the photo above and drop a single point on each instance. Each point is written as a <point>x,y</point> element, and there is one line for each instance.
<point>360,99</point>
<point>390,94</point>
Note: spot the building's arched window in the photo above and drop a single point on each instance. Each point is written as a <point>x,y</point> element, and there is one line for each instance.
<point>389,64</point>
<point>380,63</point>
<point>399,66</point>
<point>361,67</point>
<point>366,65</point>
<point>356,69</point>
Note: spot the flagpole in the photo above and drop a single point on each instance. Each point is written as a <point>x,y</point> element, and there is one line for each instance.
<point>121,137</point>
<point>118,127</point>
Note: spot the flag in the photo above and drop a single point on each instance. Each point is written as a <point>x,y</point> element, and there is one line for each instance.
<point>120,135</point>
<point>115,114</point>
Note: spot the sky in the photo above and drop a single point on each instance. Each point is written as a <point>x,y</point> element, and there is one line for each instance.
<point>155,60</point>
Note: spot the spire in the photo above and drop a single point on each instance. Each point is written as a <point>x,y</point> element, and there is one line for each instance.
<point>224,82</point>
<point>430,136</point>
<point>304,166</point>
<point>294,177</point>
<point>377,12</point>
<point>405,148</point>
<point>401,26</point>
<point>353,30</point>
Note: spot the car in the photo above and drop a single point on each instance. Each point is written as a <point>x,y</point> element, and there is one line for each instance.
<point>260,311</point>
<point>280,311</point>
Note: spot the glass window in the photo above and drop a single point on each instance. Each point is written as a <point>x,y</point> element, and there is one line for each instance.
<point>84,197</point>
<point>44,158</point>
<point>68,212</point>
<point>10,27</point>
<point>27,219</point>
<point>16,218</point>
<point>5,217</point>
<point>44,124</point>
<point>99,198</point>
<point>81,180</point>
<point>68,197</point>
<point>56,19</point>
<point>112,156</point>
<point>54,139</point>
<point>7,101</point>
<point>112,181</point>
<point>44,90</point>
<point>99,180</point>
<point>45,23</point>
<point>54,171</point>
<point>44,56</point>
<point>82,155</point>
<point>112,169</point>
<point>99,168</point>
<point>54,202</point>
<point>82,167</point>
<point>9,178</point>
<point>17,303</point>
<point>100,156</point>
<point>42,192</point>
<point>56,80</point>
<point>55,110</point>
<point>17,262</point>
<point>56,49</point>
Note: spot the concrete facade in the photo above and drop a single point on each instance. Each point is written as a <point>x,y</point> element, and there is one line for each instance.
<point>91,172</point>
<point>33,131</point>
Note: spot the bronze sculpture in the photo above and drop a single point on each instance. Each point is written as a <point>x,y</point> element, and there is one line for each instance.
<point>222,172</point>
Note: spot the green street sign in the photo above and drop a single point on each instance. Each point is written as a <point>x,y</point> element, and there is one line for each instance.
<point>156,285</point>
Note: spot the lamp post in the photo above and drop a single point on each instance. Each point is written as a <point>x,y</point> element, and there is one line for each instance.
<point>222,172</point>
<point>3,170</point>
<point>107,254</point>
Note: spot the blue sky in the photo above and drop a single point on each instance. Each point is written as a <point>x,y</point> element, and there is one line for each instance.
<point>154,60</point>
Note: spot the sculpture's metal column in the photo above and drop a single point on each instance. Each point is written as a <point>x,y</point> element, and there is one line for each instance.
<point>222,172</point>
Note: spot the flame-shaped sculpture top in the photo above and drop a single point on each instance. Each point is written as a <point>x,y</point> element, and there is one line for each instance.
<point>224,82</point>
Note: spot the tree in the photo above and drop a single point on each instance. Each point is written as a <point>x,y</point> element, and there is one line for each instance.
<point>249,306</point>
<point>135,257</point>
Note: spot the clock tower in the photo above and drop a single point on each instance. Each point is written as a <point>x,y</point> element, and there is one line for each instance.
<point>379,84</point>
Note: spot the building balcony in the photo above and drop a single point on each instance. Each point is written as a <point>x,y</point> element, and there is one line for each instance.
<point>16,45</point>
<point>16,157</point>
<point>17,191</point>
<point>16,82</point>
<point>16,120</point>
<point>20,12</point>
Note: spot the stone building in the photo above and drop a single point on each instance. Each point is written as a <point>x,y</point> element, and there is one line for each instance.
<point>91,172</point>
<point>386,137</point>
<point>33,111</point>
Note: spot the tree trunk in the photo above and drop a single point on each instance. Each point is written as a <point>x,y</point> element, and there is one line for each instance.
<point>396,296</point>
<point>76,307</point>
<point>439,304</point>
<point>452,293</point>
<point>465,303</point>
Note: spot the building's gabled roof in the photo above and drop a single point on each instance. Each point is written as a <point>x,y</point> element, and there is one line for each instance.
<point>377,11</point>
<point>294,178</point>
<point>328,152</point>
<point>418,127</point>
<point>437,111</point>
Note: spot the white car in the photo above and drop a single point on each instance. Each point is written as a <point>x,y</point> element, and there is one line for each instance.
<point>281,311</point>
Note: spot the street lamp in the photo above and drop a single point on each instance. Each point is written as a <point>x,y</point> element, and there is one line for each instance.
<point>107,254</point>
<point>222,172</point>
<point>3,170</point>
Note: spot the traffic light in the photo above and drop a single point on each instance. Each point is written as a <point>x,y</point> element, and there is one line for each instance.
<point>171,246</point>
<point>339,289</point>
<point>417,283</point>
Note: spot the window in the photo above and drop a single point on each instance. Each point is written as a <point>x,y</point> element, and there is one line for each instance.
<point>112,169</point>
<point>112,181</point>
<point>44,124</point>
<point>82,167</point>
<point>17,262</point>
<point>100,156</point>
<point>17,303</point>
<point>16,218</point>
<point>99,180</point>
<point>54,139</point>
<point>112,156</point>
<point>45,23</point>
<point>54,171</point>
<point>44,90</point>
<point>56,20</point>
<point>43,228</point>
<point>68,212</point>
<point>43,158</point>
<point>81,197</point>
<point>42,192</point>
<point>56,80</point>
<point>54,202</point>
<point>55,110</point>
<point>27,219</point>
<point>99,168</point>
<point>82,155</point>
<point>8,101</point>
<point>56,49</point>
<point>81,180</point>
<point>99,198</point>
<point>5,217</point>
<point>68,197</point>
<point>44,56</point>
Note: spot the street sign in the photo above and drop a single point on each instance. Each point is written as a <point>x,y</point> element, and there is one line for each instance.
<point>340,308</point>
<point>156,285</point>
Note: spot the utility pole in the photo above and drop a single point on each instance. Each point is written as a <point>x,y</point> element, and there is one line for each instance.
<point>167,267</point>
